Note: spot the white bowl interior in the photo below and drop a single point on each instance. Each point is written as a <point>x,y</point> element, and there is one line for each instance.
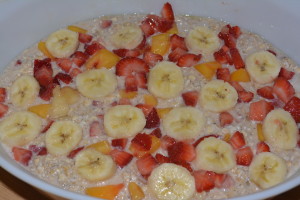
<point>23,23</point>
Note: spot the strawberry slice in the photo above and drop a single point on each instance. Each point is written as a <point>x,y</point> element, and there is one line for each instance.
<point>122,158</point>
<point>190,98</point>
<point>235,31</point>
<point>92,48</point>
<point>259,110</point>
<point>124,101</point>
<point>85,38</point>
<point>223,74</point>
<point>64,63</point>
<point>283,89</point>
<point>176,54</point>
<point>148,27</point>
<point>145,108</point>
<point>245,96</point>
<point>21,155</point>
<point>152,119</point>
<point>18,62</point>
<point>162,159</point>
<point>184,164</point>
<point>222,57</point>
<point>284,73</point>
<point>146,164</point>
<point>66,78</point>
<point>2,94</point>
<point>237,140</point>
<point>227,37</point>
<point>293,107</point>
<point>74,152</point>
<point>79,58</point>
<point>225,118</point>
<point>177,42</point>
<point>237,86</point>
<point>74,72</point>
<point>43,71</point>
<point>47,126</point>
<point>96,129</point>
<point>244,156</point>
<point>39,63</point>
<point>266,92</point>
<point>167,12</point>
<point>141,142</point>
<point>141,80</point>
<point>40,151</point>
<point>188,60</point>
<point>202,138</point>
<point>167,141</point>
<point>131,66</point>
<point>106,23</point>
<point>262,147</point>
<point>223,181</point>
<point>156,132</point>
<point>130,84</point>
<point>204,180</point>
<point>120,142</point>
<point>236,58</point>
<point>3,109</point>
<point>46,93</point>
<point>182,151</point>
<point>127,52</point>
<point>151,58</point>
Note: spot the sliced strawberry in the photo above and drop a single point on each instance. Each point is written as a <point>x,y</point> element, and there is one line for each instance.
<point>176,54</point>
<point>47,126</point>
<point>92,48</point>
<point>85,38</point>
<point>127,52</point>
<point>182,151</point>
<point>177,42</point>
<point>142,142</point>
<point>130,84</point>
<point>120,142</point>
<point>204,180</point>
<point>237,140</point>
<point>21,155</point>
<point>188,60</point>
<point>79,58</point>
<point>259,110</point>
<point>262,147</point>
<point>47,92</point>
<point>236,58</point>
<point>145,108</point>
<point>227,37</point>
<point>237,86</point>
<point>131,66</point>
<point>184,164</point>
<point>148,27</point>
<point>40,151</point>
<point>39,63</point>
<point>141,80</point>
<point>293,107</point>
<point>106,23</point>
<point>74,72</point>
<point>284,73</point>
<point>146,164</point>
<point>74,152</point>
<point>222,57</point>
<point>190,98</point>
<point>43,72</point>
<point>223,74</point>
<point>162,159</point>
<point>122,158</point>
<point>64,63</point>
<point>156,132</point>
<point>202,138</point>
<point>266,92</point>
<point>223,181</point>
<point>167,141</point>
<point>244,156</point>
<point>272,52</point>
<point>152,119</point>
<point>167,12</point>
<point>3,109</point>
<point>2,94</point>
<point>124,101</point>
<point>66,78</point>
<point>143,45</point>
<point>18,62</point>
<point>283,89</point>
<point>225,118</point>
<point>96,129</point>
<point>151,58</point>
<point>235,31</point>
<point>245,96</point>
<point>160,24</point>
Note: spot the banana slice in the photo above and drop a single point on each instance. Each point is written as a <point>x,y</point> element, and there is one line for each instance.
<point>267,170</point>
<point>123,121</point>
<point>215,155</point>
<point>127,36</point>
<point>19,128</point>
<point>62,43</point>
<point>280,129</point>
<point>218,96</point>
<point>24,91</point>
<point>62,137</point>
<point>96,83</point>
<point>94,166</point>
<point>202,40</point>
<point>263,67</point>
<point>165,80</point>
<point>170,181</point>
<point>184,123</point>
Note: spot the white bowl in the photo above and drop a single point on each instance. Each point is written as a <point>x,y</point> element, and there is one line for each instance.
<point>23,23</point>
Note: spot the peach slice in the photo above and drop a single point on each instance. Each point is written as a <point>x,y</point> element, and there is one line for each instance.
<point>155,144</point>
<point>163,111</point>
<point>240,75</point>
<point>102,58</point>
<point>41,110</point>
<point>77,29</point>
<point>127,95</point>
<point>208,69</point>
<point>135,191</point>
<point>71,95</point>
<point>108,192</point>
<point>150,100</point>
<point>42,47</point>
<point>160,44</point>
<point>260,134</point>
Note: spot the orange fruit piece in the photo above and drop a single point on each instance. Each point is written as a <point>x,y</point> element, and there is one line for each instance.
<point>160,44</point>
<point>227,137</point>
<point>127,95</point>
<point>135,191</point>
<point>42,47</point>
<point>108,192</point>
<point>155,144</point>
<point>102,58</point>
<point>76,29</point>
<point>173,30</point>
<point>260,134</point>
<point>208,69</point>
<point>163,111</point>
<point>150,100</point>
<point>102,146</point>
<point>240,75</point>
<point>41,110</point>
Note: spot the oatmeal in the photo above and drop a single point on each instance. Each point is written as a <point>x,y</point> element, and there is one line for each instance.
<point>153,107</point>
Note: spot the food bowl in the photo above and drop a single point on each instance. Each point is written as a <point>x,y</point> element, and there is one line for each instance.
<point>23,23</point>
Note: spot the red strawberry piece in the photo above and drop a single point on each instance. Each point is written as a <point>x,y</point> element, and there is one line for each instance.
<point>18,62</point>
<point>202,138</point>
<point>151,58</point>
<point>293,107</point>
<point>21,155</point>
<point>204,180</point>
<point>188,60</point>
<point>236,58</point>
<point>39,63</point>
<point>167,12</point>
<point>266,92</point>
<point>235,31</point>
<point>131,66</point>
<point>221,56</point>
<point>244,156</point>
<point>143,45</point>
<point>66,78</point>
<point>122,158</point>
<point>47,92</point>
<point>167,141</point>
<point>177,42</point>
<point>223,181</point>
<point>74,152</point>
<point>2,94</point>
<point>190,98</point>
<point>124,101</point>
<point>259,110</point>
<point>142,142</point>
<point>225,118</point>
<point>283,89</point>
<point>184,164</point>
<point>43,72</point>
<point>227,37</point>
<point>176,54</point>
<point>262,147</point>
<point>85,38</point>
<point>237,140</point>
<point>130,84</point>
<point>245,96</point>
<point>79,58</point>
<point>74,72</point>
<point>106,23</point>
<point>120,142</point>
<point>223,74</point>
<point>3,109</point>
<point>182,151</point>
<point>272,52</point>
<point>237,86</point>
<point>64,63</point>
<point>162,159</point>
<point>284,73</point>
<point>156,132</point>
<point>224,31</point>
<point>148,27</point>
<point>160,24</point>
<point>92,48</point>
<point>96,129</point>
<point>146,164</point>
<point>127,53</point>
<point>47,126</point>
<point>40,151</point>
<point>121,52</point>
<point>141,80</point>
<point>145,108</point>
<point>152,119</point>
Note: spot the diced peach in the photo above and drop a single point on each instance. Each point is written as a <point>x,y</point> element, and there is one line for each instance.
<point>260,134</point>
<point>42,47</point>
<point>127,95</point>
<point>173,30</point>
<point>41,110</point>
<point>135,191</point>
<point>150,100</point>
<point>163,111</point>
<point>102,146</point>
<point>208,69</point>
<point>240,75</point>
<point>77,29</point>
<point>102,58</point>
<point>108,192</point>
<point>70,94</point>
<point>227,137</point>
<point>160,44</point>
<point>155,144</point>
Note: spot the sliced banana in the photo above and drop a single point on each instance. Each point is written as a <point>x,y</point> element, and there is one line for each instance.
<point>124,121</point>
<point>263,67</point>
<point>218,96</point>
<point>62,43</point>
<point>202,40</point>
<point>24,91</point>
<point>280,129</point>
<point>165,80</point>
<point>62,137</point>
<point>20,128</point>
<point>267,170</point>
<point>215,155</point>
<point>94,166</point>
<point>96,83</point>
<point>126,36</point>
<point>170,181</point>
<point>184,123</point>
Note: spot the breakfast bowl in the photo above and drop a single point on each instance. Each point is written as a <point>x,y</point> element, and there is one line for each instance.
<point>26,23</point>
